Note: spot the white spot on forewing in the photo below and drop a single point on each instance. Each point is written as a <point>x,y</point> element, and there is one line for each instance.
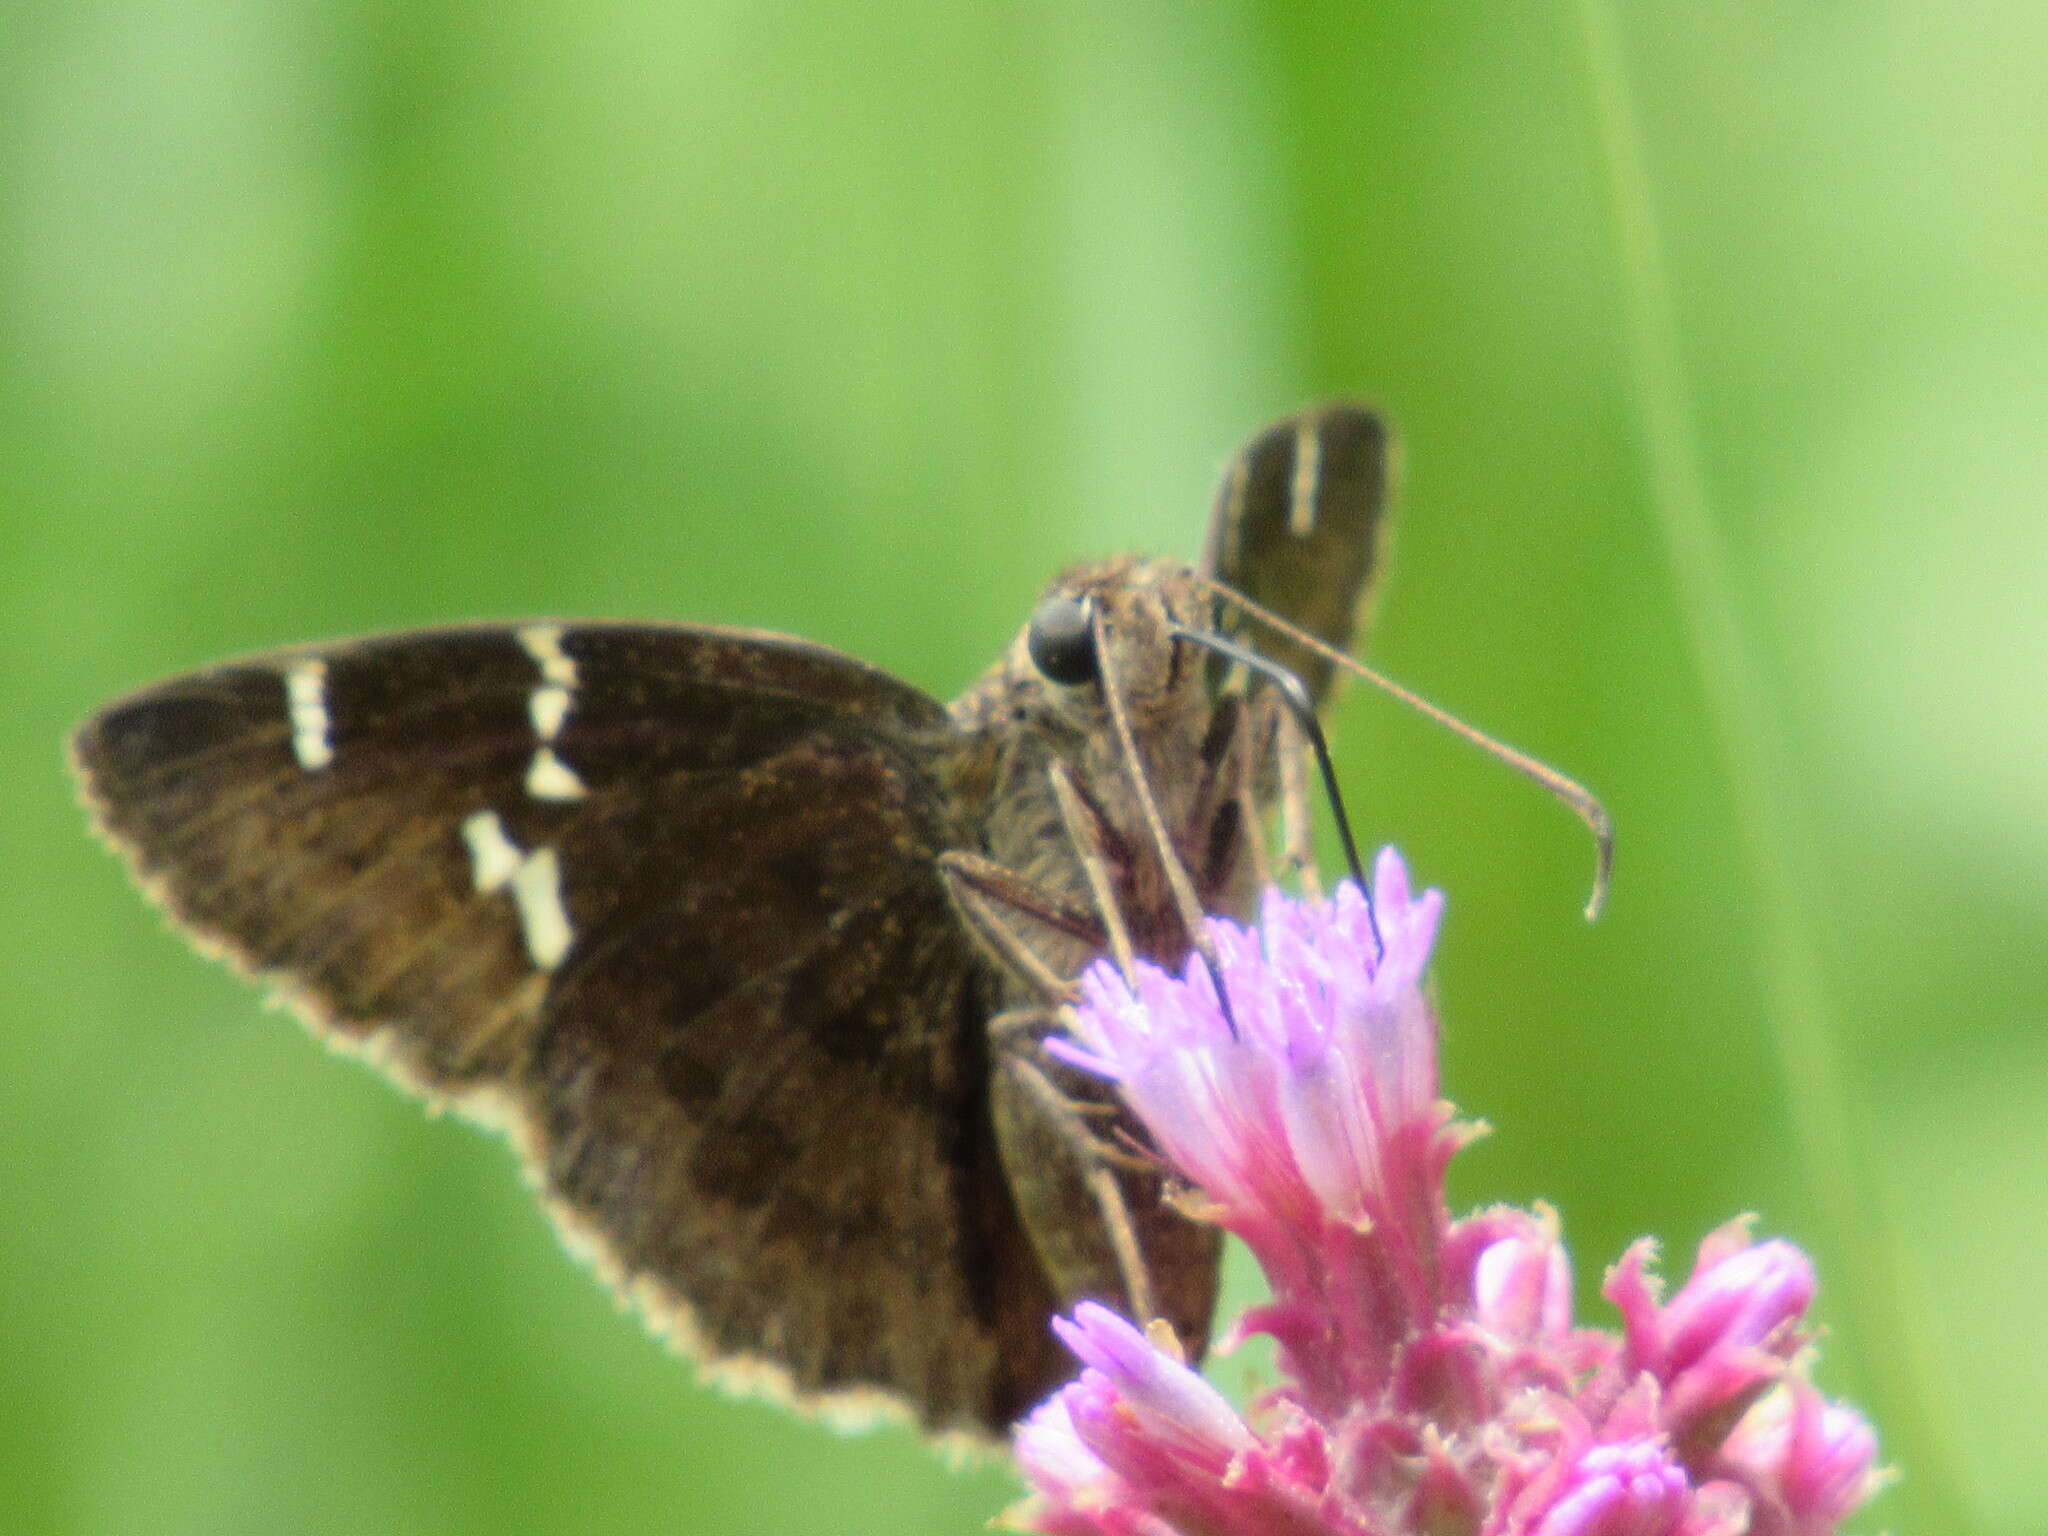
<point>549,707</point>
<point>534,879</point>
<point>537,890</point>
<point>1308,474</point>
<point>549,778</point>
<point>305,691</point>
<point>543,643</point>
<point>495,856</point>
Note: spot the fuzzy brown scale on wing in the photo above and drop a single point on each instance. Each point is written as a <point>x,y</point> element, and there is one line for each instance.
<point>725,703</point>
<point>368,918</point>
<point>767,1094</point>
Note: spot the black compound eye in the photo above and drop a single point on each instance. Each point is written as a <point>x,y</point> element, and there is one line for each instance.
<point>1061,641</point>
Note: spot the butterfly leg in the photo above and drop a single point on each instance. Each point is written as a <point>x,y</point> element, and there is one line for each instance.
<point>1019,1034</point>
<point>983,892</point>
<point>1058,1122</point>
<point>1097,1215</point>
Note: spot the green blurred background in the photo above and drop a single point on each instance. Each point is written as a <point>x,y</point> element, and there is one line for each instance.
<point>859,322</point>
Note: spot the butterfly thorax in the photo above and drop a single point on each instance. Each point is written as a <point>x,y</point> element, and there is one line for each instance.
<point>1020,724</point>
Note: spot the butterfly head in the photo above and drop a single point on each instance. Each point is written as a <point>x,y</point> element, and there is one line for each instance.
<point>1117,616</point>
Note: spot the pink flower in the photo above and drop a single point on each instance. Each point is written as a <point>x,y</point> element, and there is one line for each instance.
<point>1629,1489</point>
<point>1724,1338</point>
<point>1313,1126</point>
<point>1812,1460</point>
<point>1141,1445</point>
<point>1522,1287</point>
<point>1433,1378</point>
<point>1178,1411</point>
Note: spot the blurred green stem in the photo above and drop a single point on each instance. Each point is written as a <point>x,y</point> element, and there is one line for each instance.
<point>1888,1340</point>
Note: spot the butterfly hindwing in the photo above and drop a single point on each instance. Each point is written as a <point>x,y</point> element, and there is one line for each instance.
<point>1300,527</point>
<point>661,900</point>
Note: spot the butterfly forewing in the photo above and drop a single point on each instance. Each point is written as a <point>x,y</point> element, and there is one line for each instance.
<point>664,899</point>
<point>343,877</point>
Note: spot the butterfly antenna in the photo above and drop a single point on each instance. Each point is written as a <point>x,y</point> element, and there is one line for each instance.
<point>1574,795</point>
<point>1294,693</point>
<point>1185,901</point>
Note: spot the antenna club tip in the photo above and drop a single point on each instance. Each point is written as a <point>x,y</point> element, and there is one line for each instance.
<point>1603,873</point>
